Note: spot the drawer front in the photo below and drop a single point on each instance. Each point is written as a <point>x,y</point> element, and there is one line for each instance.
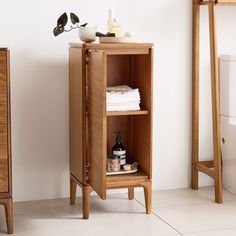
<point>4,181</point>
<point>3,106</point>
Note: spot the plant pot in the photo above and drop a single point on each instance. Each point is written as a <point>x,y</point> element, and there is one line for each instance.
<point>87,34</point>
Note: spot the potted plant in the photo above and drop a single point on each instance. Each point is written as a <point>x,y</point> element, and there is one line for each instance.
<point>86,34</point>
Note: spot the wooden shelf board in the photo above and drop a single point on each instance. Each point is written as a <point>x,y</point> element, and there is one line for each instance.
<point>117,181</point>
<point>126,113</point>
<point>222,2</point>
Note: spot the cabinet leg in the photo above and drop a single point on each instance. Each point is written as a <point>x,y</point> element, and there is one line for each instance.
<point>147,187</point>
<point>131,193</point>
<point>86,194</point>
<point>7,202</point>
<point>73,186</point>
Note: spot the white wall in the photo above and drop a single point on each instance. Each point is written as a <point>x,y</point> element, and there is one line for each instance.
<point>39,80</point>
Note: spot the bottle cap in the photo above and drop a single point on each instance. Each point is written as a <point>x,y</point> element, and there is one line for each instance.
<point>118,137</point>
<point>110,13</point>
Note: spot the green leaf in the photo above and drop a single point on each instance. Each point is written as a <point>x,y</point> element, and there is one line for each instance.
<point>83,25</point>
<point>74,18</point>
<point>62,20</point>
<point>58,30</point>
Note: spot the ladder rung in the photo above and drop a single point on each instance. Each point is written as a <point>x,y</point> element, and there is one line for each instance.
<point>204,169</point>
<point>209,164</point>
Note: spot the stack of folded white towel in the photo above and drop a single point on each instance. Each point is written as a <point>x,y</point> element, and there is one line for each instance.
<point>123,98</point>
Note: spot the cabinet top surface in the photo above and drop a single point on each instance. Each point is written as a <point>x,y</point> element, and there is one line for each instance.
<point>110,45</point>
<point>226,2</point>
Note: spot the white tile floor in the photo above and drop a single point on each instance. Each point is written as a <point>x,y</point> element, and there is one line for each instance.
<point>175,212</point>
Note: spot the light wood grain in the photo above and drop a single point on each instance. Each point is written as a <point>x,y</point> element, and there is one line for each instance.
<point>3,106</point>
<point>7,202</point>
<point>215,103</point>
<point>111,46</point>
<point>109,65</point>
<point>4,180</point>
<point>124,181</point>
<point>86,193</point>
<point>222,2</point>
<point>206,167</point>
<point>77,115</point>
<point>118,70</point>
<point>147,187</point>
<point>131,193</point>
<point>141,74</point>
<point>97,123</point>
<point>5,138</point>
<point>73,187</point>
<point>195,92</point>
<point>126,113</point>
<point>209,164</point>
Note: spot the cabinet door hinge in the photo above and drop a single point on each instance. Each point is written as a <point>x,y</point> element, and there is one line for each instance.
<point>87,167</point>
<point>87,171</point>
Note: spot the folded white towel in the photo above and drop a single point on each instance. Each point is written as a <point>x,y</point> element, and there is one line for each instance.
<point>132,95</point>
<point>117,103</point>
<point>122,98</point>
<point>124,108</point>
<point>120,88</point>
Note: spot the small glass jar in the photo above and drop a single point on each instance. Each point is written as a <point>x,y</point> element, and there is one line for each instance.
<point>113,163</point>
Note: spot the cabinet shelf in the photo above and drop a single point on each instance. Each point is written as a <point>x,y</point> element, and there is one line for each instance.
<point>126,113</point>
<point>115,181</point>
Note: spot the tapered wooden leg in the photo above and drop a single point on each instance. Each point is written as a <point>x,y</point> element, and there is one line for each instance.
<point>215,103</point>
<point>147,187</point>
<point>7,202</point>
<point>131,193</point>
<point>9,215</point>
<point>195,92</point>
<point>73,186</point>
<point>86,194</point>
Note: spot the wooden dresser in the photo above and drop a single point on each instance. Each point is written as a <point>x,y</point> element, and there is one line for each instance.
<point>5,139</point>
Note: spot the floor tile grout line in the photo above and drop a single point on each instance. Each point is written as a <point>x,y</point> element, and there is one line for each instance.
<point>161,219</point>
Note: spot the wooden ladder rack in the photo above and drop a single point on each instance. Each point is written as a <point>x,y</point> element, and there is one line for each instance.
<point>211,168</point>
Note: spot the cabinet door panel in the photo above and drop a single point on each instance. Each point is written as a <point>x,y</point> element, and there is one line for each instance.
<point>3,105</point>
<point>77,115</point>
<point>97,71</point>
<point>3,176</point>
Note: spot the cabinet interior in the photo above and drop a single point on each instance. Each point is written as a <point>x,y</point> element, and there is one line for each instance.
<point>134,71</point>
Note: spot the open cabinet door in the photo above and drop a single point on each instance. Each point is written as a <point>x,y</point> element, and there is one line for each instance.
<point>77,88</point>
<point>97,124</point>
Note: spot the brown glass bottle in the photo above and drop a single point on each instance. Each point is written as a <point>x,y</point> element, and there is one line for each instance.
<point>119,150</point>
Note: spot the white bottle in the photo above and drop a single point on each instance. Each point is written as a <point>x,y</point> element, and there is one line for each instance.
<point>110,21</point>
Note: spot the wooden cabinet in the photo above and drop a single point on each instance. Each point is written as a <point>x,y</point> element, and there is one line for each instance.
<point>92,68</point>
<point>5,138</point>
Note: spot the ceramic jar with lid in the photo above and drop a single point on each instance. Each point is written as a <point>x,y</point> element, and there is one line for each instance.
<point>113,163</point>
